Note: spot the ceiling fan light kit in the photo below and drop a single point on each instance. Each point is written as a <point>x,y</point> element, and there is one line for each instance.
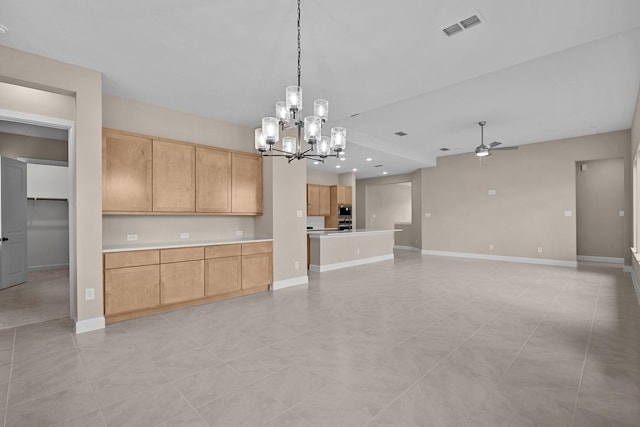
<point>310,128</point>
<point>483,150</point>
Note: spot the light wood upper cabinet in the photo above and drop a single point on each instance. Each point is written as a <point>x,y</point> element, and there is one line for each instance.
<point>213,180</point>
<point>246,183</point>
<point>173,177</point>
<point>126,173</point>
<point>318,200</point>
<point>344,195</point>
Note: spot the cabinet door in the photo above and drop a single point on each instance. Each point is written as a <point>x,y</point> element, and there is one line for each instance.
<point>126,173</point>
<point>181,281</point>
<point>348,196</point>
<point>173,177</point>
<point>313,200</point>
<point>256,270</point>
<point>340,195</point>
<point>213,180</point>
<point>246,183</point>
<point>222,275</point>
<point>324,200</point>
<point>131,288</point>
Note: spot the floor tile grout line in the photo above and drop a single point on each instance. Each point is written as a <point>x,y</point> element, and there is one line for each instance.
<point>13,352</point>
<point>473,418</point>
<point>446,356</point>
<point>93,391</point>
<point>586,355</point>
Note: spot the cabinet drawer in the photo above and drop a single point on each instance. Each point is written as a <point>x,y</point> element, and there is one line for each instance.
<point>257,248</point>
<point>181,254</point>
<point>222,251</point>
<point>130,259</point>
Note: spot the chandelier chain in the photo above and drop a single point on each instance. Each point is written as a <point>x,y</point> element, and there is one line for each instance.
<point>299,50</point>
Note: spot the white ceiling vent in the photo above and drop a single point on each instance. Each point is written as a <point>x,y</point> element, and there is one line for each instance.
<point>464,24</point>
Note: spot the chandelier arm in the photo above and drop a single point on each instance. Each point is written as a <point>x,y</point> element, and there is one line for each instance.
<point>299,49</point>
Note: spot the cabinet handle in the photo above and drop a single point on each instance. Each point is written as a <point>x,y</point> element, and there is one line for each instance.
<point>4,239</point>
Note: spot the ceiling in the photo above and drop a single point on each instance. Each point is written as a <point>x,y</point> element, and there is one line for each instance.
<point>535,70</point>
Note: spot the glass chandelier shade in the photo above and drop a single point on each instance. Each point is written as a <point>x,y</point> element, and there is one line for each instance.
<point>293,98</point>
<point>289,146</point>
<point>312,129</point>
<point>282,113</point>
<point>338,139</point>
<point>321,109</point>
<point>270,130</point>
<point>261,143</point>
<point>324,146</point>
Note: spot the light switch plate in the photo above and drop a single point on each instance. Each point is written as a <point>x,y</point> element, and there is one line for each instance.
<point>491,192</point>
<point>621,213</point>
<point>427,214</point>
<point>89,294</point>
<point>568,213</point>
<point>540,250</point>
<point>132,237</point>
<point>239,232</point>
<point>299,213</point>
<point>184,235</point>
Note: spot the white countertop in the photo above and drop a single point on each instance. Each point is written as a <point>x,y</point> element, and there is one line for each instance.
<point>350,233</point>
<point>183,244</point>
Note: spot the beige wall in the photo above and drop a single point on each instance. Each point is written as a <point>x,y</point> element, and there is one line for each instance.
<point>286,185</point>
<point>635,127</point>
<point>635,145</point>
<point>599,200</point>
<point>534,186</point>
<point>85,85</point>
<point>387,205</point>
<point>17,97</point>
<point>322,178</point>
<point>134,116</point>
<point>32,147</point>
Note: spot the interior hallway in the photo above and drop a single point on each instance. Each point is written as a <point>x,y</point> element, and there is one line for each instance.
<point>416,341</point>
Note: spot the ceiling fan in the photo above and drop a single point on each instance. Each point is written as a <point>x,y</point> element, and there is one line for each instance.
<point>485,150</point>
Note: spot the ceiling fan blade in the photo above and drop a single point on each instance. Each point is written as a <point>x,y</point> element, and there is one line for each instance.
<point>513,147</point>
<point>494,144</point>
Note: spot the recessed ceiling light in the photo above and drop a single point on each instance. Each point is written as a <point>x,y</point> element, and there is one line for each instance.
<point>3,29</point>
<point>342,159</point>
<point>354,169</point>
<point>337,166</point>
<point>369,159</point>
<point>316,163</point>
<point>384,173</point>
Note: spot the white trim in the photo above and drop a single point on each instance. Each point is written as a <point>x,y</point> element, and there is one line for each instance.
<point>627,269</point>
<point>48,267</point>
<point>89,325</point>
<point>611,260</point>
<point>524,260</point>
<point>353,263</point>
<point>287,283</point>
<point>407,248</point>
<point>636,286</point>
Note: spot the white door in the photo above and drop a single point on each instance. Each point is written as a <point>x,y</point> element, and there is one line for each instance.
<point>13,224</point>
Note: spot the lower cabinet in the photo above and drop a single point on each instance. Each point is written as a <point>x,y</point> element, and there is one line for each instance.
<point>182,276</point>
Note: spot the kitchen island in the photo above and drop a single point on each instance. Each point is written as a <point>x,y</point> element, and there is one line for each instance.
<point>332,250</point>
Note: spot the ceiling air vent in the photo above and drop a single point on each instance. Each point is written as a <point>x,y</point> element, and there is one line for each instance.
<point>464,24</point>
<point>444,149</point>
<point>377,166</point>
<point>400,133</point>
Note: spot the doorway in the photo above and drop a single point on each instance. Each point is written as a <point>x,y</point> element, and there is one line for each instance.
<point>600,210</point>
<point>45,145</point>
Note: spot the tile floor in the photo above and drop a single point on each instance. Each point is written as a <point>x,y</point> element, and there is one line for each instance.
<point>44,297</point>
<point>418,341</point>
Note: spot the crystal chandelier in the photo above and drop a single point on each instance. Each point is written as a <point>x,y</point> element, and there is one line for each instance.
<point>288,116</point>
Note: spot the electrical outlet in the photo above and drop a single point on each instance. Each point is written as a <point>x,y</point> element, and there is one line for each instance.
<point>239,232</point>
<point>491,247</point>
<point>491,192</point>
<point>568,213</point>
<point>358,250</point>
<point>132,237</point>
<point>89,294</point>
<point>184,235</point>
<point>299,213</point>
<point>621,213</point>
<point>427,214</point>
<point>540,249</point>
<point>297,265</point>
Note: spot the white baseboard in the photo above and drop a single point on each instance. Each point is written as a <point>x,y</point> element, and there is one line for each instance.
<point>287,283</point>
<point>636,286</point>
<point>610,260</point>
<point>48,267</point>
<point>352,263</point>
<point>90,325</point>
<point>408,248</point>
<point>543,261</point>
